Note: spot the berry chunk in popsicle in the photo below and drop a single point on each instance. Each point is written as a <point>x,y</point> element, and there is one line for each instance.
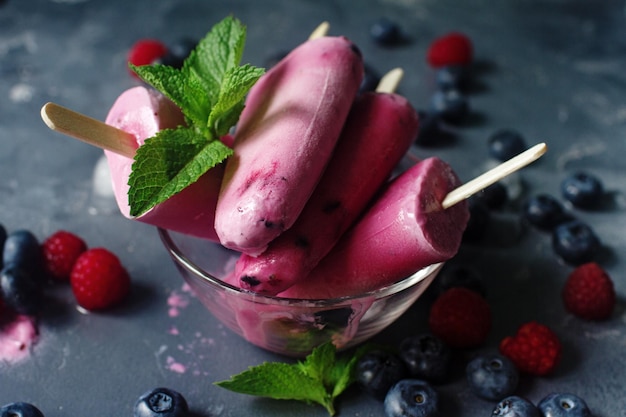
<point>379,130</point>
<point>284,139</point>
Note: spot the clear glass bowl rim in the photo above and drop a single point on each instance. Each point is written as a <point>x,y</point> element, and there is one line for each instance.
<point>175,252</point>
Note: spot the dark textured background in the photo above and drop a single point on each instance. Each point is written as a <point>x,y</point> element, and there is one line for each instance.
<point>553,70</point>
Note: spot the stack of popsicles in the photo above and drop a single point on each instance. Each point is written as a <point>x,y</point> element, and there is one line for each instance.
<point>307,196</point>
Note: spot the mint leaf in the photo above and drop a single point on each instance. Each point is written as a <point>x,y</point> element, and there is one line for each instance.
<point>210,90</point>
<point>280,381</point>
<point>169,162</point>
<point>320,378</point>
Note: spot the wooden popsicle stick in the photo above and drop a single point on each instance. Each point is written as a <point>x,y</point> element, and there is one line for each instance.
<point>320,31</point>
<point>494,175</point>
<point>390,81</point>
<point>88,130</point>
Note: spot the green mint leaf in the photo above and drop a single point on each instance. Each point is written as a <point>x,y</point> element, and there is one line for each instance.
<point>236,84</point>
<point>320,378</point>
<point>210,90</point>
<point>280,381</point>
<point>155,178</point>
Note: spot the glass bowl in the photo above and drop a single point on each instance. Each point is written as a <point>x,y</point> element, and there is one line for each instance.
<point>291,327</point>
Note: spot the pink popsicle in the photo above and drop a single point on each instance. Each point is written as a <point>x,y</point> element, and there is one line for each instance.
<point>143,112</point>
<point>405,230</point>
<point>378,132</point>
<point>285,136</point>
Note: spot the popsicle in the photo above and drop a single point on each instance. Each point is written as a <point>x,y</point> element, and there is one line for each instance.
<point>284,139</point>
<point>418,220</point>
<point>378,132</point>
<point>405,230</point>
<point>137,114</point>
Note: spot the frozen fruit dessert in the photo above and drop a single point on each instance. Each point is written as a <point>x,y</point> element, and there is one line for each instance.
<point>284,139</point>
<point>378,132</point>
<point>406,229</point>
<point>143,112</point>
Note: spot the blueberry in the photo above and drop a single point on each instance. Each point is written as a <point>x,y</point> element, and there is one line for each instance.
<point>411,398</point>
<point>376,371</point>
<point>161,402</point>
<point>429,128</point>
<point>3,238</point>
<point>515,406</point>
<point>480,218</point>
<point>178,52</point>
<point>460,276</point>
<point>582,189</point>
<point>563,405</point>
<point>450,105</point>
<point>22,248</point>
<point>544,212</point>
<point>20,409</point>
<point>426,357</point>
<point>492,376</point>
<point>274,58</point>
<point>19,289</point>
<point>370,80</point>
<point>452,77</point>
<point>494,197</point>
<point>505,144</point>
<point>385,32</point>
<point>575,242</point>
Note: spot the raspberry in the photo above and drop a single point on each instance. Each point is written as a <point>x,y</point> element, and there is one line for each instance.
<point>60,251</point>
<point>461,318</point>
<point>99,280</point>
<point>534,349</point>
<point>588,292</point>
<point>145,52</point>
<point>451,49</point>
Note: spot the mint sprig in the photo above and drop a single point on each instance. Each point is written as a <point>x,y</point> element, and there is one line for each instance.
<point>210,90</point>
<point>320,378</point>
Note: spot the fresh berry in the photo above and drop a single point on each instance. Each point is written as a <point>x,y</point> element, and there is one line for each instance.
<point>274,58</point>
<point>582,189</point>
<point>515,406</point>
<point>494,197</point>
<point>575,242</point>
<point>544,212</point>
<point>19,289</point>
<point>452,77</point>
<point>451,49</point>
<point>589,293</point>
<point>161,402</point>
<point>177,53</point>
<point>377,370</point>
<point>20,409</point>
<point>492,376</point>
<point>480,218</point>
<point>22,248</point>
<point>99,280</point>
<point>370,79</point>
<point>505,144</point>
<point>3,238</point>
<point>411,398</point>
<point>563,405</point>
<point>535,349</point>
<point>461,318</point>
<point>385,32</point>
<point>451,106</point>
<point>146,52</point>
<point>430,132</point>
<point>426,357</point>
<point>460,276</point>
<point>60,252</point>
